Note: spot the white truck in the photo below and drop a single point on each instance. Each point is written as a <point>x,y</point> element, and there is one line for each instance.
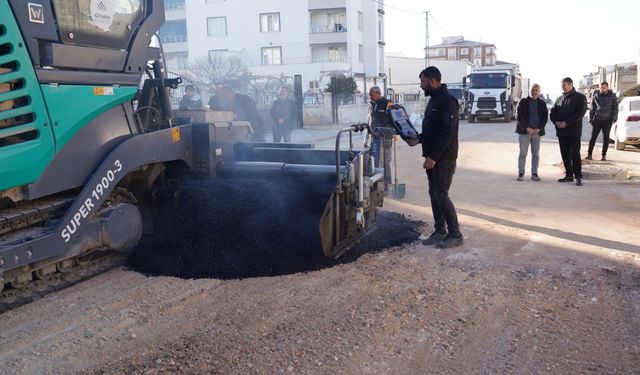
<point>459,91</point>
<point>494,92</point>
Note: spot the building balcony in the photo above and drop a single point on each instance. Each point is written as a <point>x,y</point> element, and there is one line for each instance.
<point>174,43</point>
<point>327,4</point>
<point>173,4</point>
<point>329,58</point>
<point>168,39</point>
<point>329,34</point>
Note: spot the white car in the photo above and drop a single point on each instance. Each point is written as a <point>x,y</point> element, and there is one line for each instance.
<point>626,131</point>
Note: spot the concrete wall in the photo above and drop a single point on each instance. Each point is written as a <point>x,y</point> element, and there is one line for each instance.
<point>347,114</point>
<point>403,72</point>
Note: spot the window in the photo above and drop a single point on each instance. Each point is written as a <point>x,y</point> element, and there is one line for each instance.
<point>216,26</point>
<point>434,52</point>
<point>314,85</point>
<point>337,54</point>
<point>173,4</point>
<point>477,51</point>
<point>464,51</point>
<point>477,62</point>
<point>360,21</point>
<point>174,32</point>
<point>451,53</point>
<point>213,53</point>
<point>360,53</point>
<point>183,61</point>
<point>269,22</point>
<point>271,55</point>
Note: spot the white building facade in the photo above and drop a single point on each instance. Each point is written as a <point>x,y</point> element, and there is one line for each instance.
<point>311,38</point>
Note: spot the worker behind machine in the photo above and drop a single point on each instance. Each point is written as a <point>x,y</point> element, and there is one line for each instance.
<point>382,131</point>
<point>191,100</point>
<point>242,106</point>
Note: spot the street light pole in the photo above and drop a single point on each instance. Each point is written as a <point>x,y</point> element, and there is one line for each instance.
<point>426,49</point>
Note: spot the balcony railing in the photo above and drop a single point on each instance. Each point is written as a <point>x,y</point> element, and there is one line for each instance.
<point>322,59</point>
<point>173,38</point>
<point>335,28</point>
<point>173,4</point>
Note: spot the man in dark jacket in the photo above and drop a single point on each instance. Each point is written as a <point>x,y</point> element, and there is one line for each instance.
<point>382,132</point>
<point>243,107</point>
<point>191,100</point>
<point>603,112</point>
<point>439,140</point>
<point>532,118</point>
<point>567,114</point>
<point>283,112</point>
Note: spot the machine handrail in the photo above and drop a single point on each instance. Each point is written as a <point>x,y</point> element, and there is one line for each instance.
<point>353,128</point>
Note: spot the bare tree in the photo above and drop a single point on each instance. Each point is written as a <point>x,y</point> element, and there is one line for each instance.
<point>205,71</point>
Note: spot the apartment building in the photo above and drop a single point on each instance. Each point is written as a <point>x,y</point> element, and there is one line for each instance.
<point>621,78</point>
<point>312,38</point>
<point>457,48</point>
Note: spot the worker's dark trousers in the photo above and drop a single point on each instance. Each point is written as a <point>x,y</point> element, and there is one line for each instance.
<point>281,132</point>
<point>444,213</point>
<point>605,126</point>
<point>570,151</point>
<point>381,149</point>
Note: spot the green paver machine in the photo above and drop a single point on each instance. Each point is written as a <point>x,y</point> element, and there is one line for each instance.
<point>87,142</point>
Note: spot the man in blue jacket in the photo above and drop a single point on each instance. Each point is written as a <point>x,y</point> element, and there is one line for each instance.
<point>566,115</point>
<point>439,139</point>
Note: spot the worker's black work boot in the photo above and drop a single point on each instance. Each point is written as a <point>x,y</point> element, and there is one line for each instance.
<point>434,238</point>
<point>566,179</point>
<point>449,242</point>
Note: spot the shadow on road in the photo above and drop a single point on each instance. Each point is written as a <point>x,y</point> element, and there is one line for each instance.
<point>585,239</point>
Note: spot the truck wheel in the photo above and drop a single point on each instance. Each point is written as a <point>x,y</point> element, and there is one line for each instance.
<point>472,118</point>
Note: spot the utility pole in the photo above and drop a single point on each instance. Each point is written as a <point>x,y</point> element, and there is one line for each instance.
<point>426,49</point>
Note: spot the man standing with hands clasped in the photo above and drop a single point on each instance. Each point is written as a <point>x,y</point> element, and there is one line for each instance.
<point>532,117</point>
<point>567,114</point>
<point>439,140</point>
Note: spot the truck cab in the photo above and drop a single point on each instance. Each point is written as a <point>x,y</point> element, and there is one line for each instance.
<point>460,92</point>
<point>494,93</point>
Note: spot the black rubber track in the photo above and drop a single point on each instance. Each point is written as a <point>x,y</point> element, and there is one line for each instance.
<point>250,228</point>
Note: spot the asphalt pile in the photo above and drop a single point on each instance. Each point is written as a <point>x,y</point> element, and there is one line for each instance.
<point>251,228</point>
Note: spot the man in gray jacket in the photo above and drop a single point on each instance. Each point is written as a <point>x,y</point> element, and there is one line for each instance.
<point>603,112</point>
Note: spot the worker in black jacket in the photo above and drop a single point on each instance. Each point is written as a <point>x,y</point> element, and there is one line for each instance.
<point>439,139</point>
<point>243,107</point>
<point>283,113</point>
<point>532,118</point>
<point>567,114</point>
<point>382,132</point>
<point>603,112</point>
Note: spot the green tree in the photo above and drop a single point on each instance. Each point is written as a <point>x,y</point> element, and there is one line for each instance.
<point>341,85</point>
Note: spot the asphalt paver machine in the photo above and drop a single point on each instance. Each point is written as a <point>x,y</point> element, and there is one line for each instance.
<point>88,143</point>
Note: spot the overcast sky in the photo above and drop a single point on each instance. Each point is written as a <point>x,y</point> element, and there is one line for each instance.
<point>549,39</point>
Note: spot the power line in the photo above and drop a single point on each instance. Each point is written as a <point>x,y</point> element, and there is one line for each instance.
<point>440,26</point>
<point>396,8</point>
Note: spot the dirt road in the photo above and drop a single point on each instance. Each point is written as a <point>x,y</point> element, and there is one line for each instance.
<point>548,281</point>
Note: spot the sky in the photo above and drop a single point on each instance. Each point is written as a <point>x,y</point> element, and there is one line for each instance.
<point>549,39</point>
